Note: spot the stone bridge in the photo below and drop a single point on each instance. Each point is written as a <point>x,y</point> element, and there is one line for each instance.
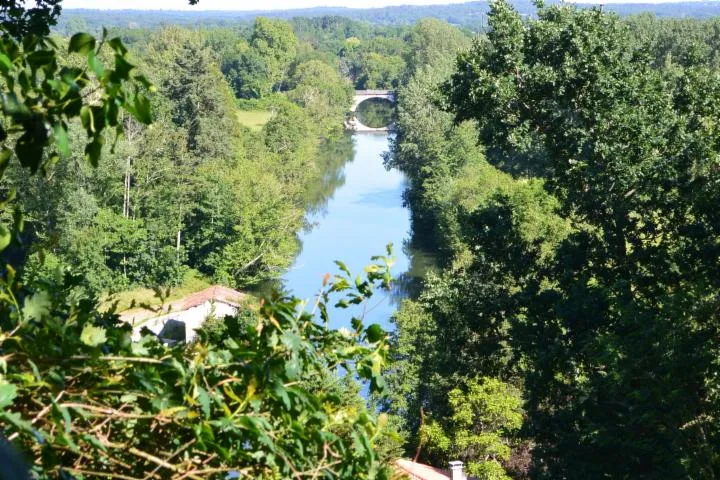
<point>354,123</point>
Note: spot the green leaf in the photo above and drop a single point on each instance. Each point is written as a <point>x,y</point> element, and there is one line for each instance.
<point>93,336</point>
<point>67,419</point>
<point>81,43</point>
<point>142,110</point>
<point>19,422</point>
<point>61,138</point>
<point>204,401</point>
<point>95,64</point>
<point>37,306</point>
<point>5,237</point>
<point>86,119</point>
<point>8,392</point>
<point>117,45</point>
<point>29,149</point>
<point>5,63</point>
<point>343,267</point>
<point>291,340</point>
<point>94,441</point>
<point>374,333</point>
<point>143,80</point>
<point>40,58</point>
<point>122,69</point>
<point>93,150</point>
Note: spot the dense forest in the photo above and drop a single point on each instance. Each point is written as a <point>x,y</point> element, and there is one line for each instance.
<point>565,170</point>
<point>135,159</point>
<point>194,193</point>
<point>561,167</point>
<point>468,15</point>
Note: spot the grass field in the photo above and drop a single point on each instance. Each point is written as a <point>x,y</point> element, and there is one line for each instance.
<point>193,282</point>
<point>254,119</point>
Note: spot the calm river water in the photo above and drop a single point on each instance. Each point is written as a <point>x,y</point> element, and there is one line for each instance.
<point>353,223</point>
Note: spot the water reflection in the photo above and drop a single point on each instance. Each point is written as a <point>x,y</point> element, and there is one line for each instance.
<point>375,113</point>
<point>354,212</point>
<point>358,218</point>
<point>408,284</point>
<point>331,160</point>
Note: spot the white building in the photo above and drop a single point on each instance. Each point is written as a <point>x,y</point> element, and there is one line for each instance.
<point>180,320</point>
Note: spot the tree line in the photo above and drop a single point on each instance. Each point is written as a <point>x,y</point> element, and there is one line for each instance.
<point>123,166</point>
<point>564,170</point>
<point>195,190</point>
<point>468,15</point>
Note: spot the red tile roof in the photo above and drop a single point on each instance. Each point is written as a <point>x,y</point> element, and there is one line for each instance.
<point>419,471</point>
<point>216,293</point>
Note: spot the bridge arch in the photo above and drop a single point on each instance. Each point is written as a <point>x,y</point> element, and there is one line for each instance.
<point>354,123</point>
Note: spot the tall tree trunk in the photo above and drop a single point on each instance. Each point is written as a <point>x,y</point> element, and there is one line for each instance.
<point>126,193</point>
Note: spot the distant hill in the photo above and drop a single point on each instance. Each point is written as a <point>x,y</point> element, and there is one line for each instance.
<point>469,15</point>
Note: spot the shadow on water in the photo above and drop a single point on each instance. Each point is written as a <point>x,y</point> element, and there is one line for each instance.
<point>409,284</point>
<point>332,157</point>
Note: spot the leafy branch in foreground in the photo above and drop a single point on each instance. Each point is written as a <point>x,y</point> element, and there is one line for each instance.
<point>80,399</point>
<point>39,97</point>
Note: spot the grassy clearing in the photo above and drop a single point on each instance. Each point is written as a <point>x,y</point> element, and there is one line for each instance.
<point>193,282</point>
<point>254,119</point>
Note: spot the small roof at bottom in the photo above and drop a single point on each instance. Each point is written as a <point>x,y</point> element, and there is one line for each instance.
<point>420,471</point>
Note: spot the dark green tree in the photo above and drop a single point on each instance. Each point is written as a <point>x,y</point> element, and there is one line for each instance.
<point>616,332</point>
<point>19,20</point>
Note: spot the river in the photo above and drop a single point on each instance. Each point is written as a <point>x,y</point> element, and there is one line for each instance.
<point>355,221</point>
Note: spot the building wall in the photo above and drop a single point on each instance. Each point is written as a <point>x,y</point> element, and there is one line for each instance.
<point>193,319</point>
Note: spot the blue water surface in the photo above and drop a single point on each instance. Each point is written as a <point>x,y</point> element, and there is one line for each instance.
<point>360,219</point>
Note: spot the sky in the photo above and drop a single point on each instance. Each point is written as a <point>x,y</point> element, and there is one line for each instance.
<point>269,4</point>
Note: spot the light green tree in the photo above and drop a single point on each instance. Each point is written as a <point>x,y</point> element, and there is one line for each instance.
<point>435,43</point>
<point>486,413</point>
<point>323,94</point>
<point>275,42</point>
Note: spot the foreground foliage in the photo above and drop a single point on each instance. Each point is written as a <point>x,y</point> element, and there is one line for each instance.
<point>77,397</point>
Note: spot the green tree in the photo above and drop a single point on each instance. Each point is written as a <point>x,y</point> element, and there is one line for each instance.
<point>77,395</point>
<point>196,96</point>
<point>275,42</point>
<point>613,328</point>
<point>248,75</point>
<point>244,224</point>
<point>377,71</point>
<point>485,414</point>
<point>323,94</point>
<point>434,43</point>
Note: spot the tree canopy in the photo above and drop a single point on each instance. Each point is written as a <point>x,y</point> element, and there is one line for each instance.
<point>180,181</point>
<point>578,241</point>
